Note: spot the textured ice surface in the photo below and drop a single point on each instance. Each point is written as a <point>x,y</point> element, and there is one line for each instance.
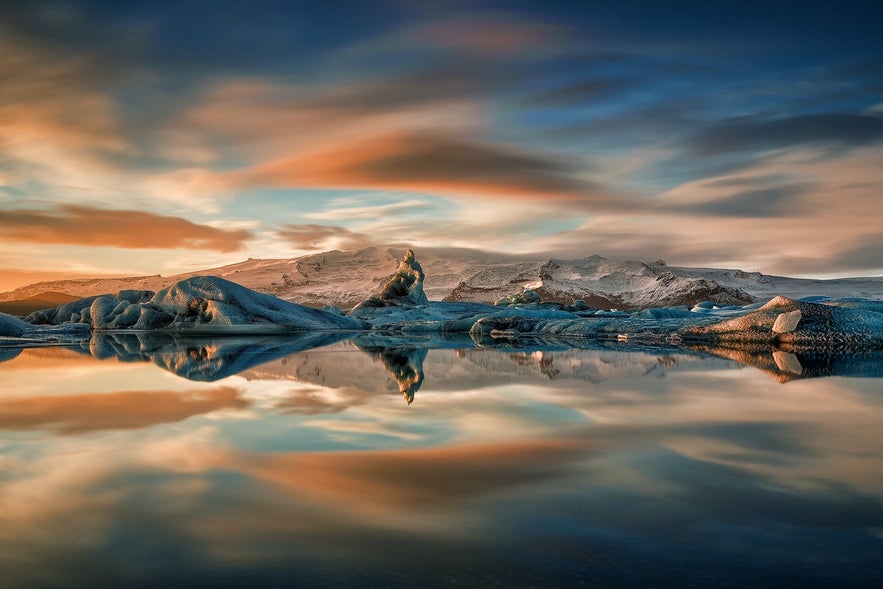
<point>12,326</point>
<point>404,289</point>
<point>201,303</point>
<point>818,325</point>
<point>15,332</point>
<point>209,304</point>
<point>344,279</point>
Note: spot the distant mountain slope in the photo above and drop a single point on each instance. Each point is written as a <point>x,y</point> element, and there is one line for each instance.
<point>44,300</point>
<point>599,282</point>
<point>344,279</point>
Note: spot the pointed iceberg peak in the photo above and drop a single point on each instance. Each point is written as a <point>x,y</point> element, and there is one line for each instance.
<point>406,285</point>
<point>403,289</point>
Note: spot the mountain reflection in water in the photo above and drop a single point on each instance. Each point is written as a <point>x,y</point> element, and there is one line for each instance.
<point>292,461</point>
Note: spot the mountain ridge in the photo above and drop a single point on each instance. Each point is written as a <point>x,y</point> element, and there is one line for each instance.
<point>43,300</point>
<point>345,278</point>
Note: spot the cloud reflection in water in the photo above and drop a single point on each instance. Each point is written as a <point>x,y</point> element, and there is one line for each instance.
<point>516,466</point>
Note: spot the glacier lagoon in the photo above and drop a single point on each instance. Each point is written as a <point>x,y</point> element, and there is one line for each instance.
<point>322,459</point>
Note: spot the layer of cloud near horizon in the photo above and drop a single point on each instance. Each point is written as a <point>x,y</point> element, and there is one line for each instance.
<point>83,225</point>
<point>708,136</point>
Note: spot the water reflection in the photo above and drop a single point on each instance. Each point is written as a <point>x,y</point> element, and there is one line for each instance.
<point>208,359</point>
<point>787,365</point>
<point>405,365</point>
<point>79,413</point>
<point>205,359</point>
<point>514,467</point>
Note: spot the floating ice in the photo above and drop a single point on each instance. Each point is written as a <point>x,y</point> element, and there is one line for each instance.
<point>206,304</point>
<point>798,324</point>
<point>404,289</point>
<point>200,304</point>
<point>15,332</point>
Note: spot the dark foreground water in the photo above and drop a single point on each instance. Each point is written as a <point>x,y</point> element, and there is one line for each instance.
<point>245,463</point>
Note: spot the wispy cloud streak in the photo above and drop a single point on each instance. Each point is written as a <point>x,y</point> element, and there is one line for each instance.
<point>84,225</point>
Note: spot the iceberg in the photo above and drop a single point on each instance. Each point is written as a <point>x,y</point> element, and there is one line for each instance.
<point>18,333</point>
<point>790,324</point>
<point>204,305</point>
<point>12,326</point>
<point>201,304</point>
<point>403,289</point>
<point>346,278</point>
<point>854,323</point>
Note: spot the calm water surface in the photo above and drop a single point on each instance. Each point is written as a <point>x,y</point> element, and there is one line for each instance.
<point>248,463</point>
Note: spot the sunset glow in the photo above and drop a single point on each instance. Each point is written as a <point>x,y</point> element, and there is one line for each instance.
<point>139,138</point>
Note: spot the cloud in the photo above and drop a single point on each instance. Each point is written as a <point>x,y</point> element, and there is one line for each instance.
<point>489,34</point>
<point>85,225</point>
<point>314,237</point>
<point>582,93</point>
<point>42,88</point>
<point>468,103</point>
<point>431,84</point>
<point>752,133</point>
<point>69,130</point>
<point>351,210</point>
<point>80,413</point>
<point>792,212</point>
<point>256,123</point>
<point>865,253</point>
<point>774,201</point>
<point>428,162</point>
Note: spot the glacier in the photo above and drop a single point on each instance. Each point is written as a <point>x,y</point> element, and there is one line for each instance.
<point>212,305</point>
<point>344,279</point>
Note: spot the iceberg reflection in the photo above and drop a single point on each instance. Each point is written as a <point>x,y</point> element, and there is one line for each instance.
<point>208,359</point>
<point>787,365</point>
<point>204,359</point>
<point>405,365</point>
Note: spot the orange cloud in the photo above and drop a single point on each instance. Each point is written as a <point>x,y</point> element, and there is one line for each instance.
<point>53,110</point>
<point>437,163</point>
<point>84,225</point>
<point>71,414</point>
<point>311,236</point>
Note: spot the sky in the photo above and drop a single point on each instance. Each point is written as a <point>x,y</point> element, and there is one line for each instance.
<point>163,137</point>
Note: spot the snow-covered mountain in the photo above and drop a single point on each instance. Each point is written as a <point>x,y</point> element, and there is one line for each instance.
<point>344,279</point>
